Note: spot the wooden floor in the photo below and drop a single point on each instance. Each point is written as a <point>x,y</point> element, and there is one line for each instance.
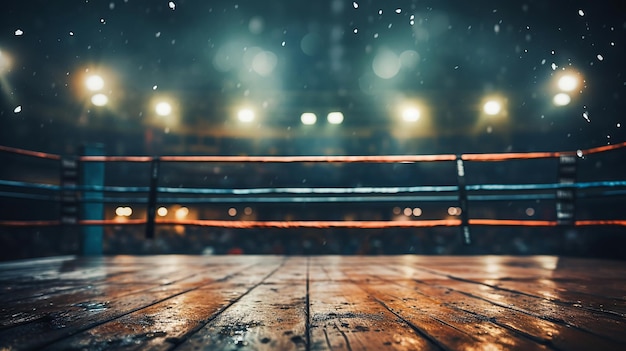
<point>313,303</point>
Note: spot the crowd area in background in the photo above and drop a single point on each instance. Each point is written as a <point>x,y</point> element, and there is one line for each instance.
<point>565,241</point>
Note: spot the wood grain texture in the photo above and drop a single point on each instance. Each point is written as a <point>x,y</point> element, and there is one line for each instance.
<point>313,303</point>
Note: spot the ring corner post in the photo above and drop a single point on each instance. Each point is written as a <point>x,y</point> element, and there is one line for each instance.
<point>460,172</point>
<point>92,181</point>
<point>566,193</point>
<point>152,198</point>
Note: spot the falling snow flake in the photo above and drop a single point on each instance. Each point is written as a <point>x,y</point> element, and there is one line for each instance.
<point>19,32</point>
<point>355,4</point>
<point>600,57</point>
<point>586,116</point>
<point>581,13</point>
<point>172,5</point>
<point>18,109</point>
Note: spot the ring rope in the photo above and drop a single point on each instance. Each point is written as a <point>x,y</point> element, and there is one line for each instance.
<point>331,159</point>
<point>346,159</point>
<point>311,199</point>
<point>322,224</point>
<point>29,153</point>
<point>356,190</point>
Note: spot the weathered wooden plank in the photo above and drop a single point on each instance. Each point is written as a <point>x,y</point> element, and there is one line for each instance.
<point>169,322</point>
<point>39,307</point>
<point>566,293</point>
<point>272,316</point>
<point>73,313</point>
<point>451,328</point>
<point>545,332</point>
<point>344,317</point>
<point>597,323</point>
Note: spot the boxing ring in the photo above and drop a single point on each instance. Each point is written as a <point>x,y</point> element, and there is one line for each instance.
<point>320,302</point>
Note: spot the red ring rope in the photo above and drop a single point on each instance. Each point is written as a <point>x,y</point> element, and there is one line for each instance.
<point>343,159</point>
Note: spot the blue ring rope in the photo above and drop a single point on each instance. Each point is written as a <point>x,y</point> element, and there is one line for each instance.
<point>358,190</point>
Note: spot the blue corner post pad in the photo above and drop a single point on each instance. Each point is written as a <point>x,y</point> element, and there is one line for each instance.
<point>92,174</point>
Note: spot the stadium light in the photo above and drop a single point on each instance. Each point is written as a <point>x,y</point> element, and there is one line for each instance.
<point>163,108</point>
<point>411,114</point>
<point>492,107</point>
<point>335,117</point>
<point>568,82</point>
<point>308,118</point>
<point>99,99</point>
<point>94,82</point>
<point>561,99</point>
<point>245,115</point>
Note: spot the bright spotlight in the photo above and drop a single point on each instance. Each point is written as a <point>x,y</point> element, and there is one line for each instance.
<point>162,211</point>
<point>94,83</point>
<point>411,114</point>
<point>163,108</point>
<point>568,82</point>
<point>182,213</point>
<point>561,99</point>
<point>308,118</point>
<point>245,115</point>
<point>492,107</point>
<point>99,99</point>
<point>335,118</point>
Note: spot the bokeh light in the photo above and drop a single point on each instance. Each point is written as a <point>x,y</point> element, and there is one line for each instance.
<point>561,99</point>
<point>454,211</point>
<point>162,211</point>
<point>245,115</point>
<point>568,82</point>
<point>94,82</point>
<point>308,118</point>
<point>99,99</point>
<point>386,64</point>
<point>335,118</point>
<point>163,108</point>
<point>123,211</point>
<point>408,211</point>
<point>411,114</point>
<point>264,63</point>
<point>492,107</point>
<point>181,213</point>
